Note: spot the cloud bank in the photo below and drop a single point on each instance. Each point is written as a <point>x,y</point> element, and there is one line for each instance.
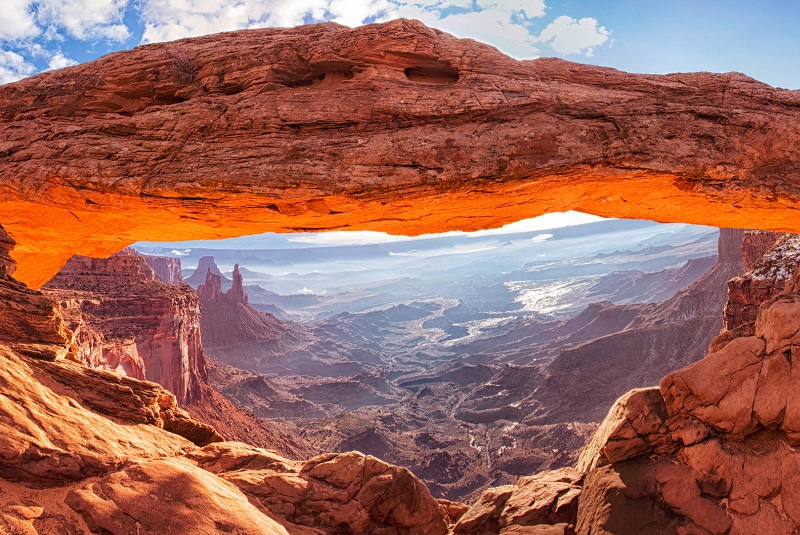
<point>38,35</point>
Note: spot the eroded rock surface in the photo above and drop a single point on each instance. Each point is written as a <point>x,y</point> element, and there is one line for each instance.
<point>123,319</point>
<point>89,451</point>
<point>714,449</point>
<point>266,130</point>
<point>765,278</point>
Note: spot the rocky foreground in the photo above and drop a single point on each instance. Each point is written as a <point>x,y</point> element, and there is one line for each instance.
<point>712,450</point>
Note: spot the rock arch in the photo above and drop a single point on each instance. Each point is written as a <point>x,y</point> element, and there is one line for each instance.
<point>322,127</point>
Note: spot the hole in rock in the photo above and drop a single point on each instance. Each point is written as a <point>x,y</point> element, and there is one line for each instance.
<point>330,73</point>
<point>468,357</point>
<point>443,74</point>
<point>305,82</point>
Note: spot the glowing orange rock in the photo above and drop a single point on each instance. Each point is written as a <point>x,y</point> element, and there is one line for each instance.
<point>394,127</point>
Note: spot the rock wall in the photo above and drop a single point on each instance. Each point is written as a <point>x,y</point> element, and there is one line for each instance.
<point>766,277</point>
<point>88,451</point>
<point>263,130</point>
<point>167,270</point>
<point>228,319</point>
<point>126,321</point>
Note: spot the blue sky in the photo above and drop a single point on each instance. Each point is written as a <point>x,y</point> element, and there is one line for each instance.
<point>757,38</point>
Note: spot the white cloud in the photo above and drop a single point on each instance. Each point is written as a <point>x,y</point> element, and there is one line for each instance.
<point>85,19</point>
<point>570,36</point>
<point>13,67</point>
<point>17,20</point>
<point>166,20</point>
<point>367,237</point>
<point>59,61</point>
<point>501,23</point>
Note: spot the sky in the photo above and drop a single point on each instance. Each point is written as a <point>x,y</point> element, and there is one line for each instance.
<point>759,38</point>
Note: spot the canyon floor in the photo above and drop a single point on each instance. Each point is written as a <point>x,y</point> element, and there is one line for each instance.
<point>485,361</point>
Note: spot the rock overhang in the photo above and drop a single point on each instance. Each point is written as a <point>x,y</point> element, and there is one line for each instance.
<point>394,127</point>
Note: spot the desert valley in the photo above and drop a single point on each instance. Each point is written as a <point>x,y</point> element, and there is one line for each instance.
<point>196,338</point>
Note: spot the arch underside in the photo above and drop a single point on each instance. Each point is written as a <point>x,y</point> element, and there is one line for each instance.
<point>395,127</point>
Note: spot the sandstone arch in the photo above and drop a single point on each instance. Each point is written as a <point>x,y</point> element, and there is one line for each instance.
<point>394,127</point>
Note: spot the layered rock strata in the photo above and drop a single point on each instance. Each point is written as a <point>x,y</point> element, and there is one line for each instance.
<point>167,270</point>
<point>89,451</point>
<point>124,320</point>
<point>266,130</point>
<point>766,277</point>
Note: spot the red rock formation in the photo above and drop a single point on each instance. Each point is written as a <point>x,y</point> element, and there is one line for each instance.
<point>125,320</point>
<point>167,270</point>
<point>766,277</point>
<point>228,319</point>
<point>204,265</point>
<point>118,456</point>
<point>29,322</point>
<point>261,130</point>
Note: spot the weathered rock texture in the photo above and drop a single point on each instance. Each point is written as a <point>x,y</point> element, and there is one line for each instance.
<point>124,320</point>
<point>89,451</point>
<point>394,127</point>
<point>227,319</point>
<point>766,277</point>
<point>167,270</point>
<point>29,322</point>
<point>714,449</point>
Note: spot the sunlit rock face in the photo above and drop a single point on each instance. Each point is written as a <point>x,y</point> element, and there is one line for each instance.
<point>766,276</point>
<point>394,127</point>
<point>124,320</point>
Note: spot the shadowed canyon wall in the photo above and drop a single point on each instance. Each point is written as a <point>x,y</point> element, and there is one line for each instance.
<point>394,127</point>
<point>123,318</point>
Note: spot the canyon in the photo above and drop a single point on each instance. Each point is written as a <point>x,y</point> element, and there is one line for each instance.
<point>91,161</point>
<point>400,382</point>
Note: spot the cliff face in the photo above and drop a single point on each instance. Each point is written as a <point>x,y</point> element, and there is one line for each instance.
<point>124,320</point>
<point>766,277</point>
<point>263,130</point>
<point>646,342</point>
<point>29,322</point>
<point>167,270</point>
<point>227,319</point>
